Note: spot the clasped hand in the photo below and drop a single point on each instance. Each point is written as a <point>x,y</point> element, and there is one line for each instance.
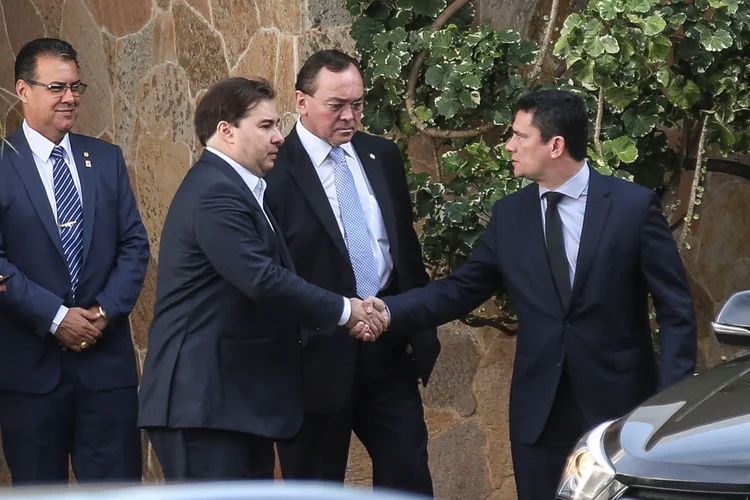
<point>81,327</point>
<point>369,319</point>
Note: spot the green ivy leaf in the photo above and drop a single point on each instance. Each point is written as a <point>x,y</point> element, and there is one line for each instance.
<point>364,29</point>
<point>658,48</point>
<point>430,8</point>
<point>471,81</point>
<point>637,124</point>
<point>583,71</point>
<point>731,5</point>
<point>641,6</point>
<point>610,44</point>
<point>434,76</point>
<point>572,22</point>
<point>424,114</point>
<point>447,106</point>
<point>654,25</point>
<point>508,36</point>
<point>379,119</point>
<point>681,94</point>
<point>623,147</point>
<point>717,40</point>
<point>620,97</point>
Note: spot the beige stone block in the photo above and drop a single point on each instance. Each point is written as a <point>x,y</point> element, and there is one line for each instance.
<point>287,122</point>
<point>260,59</point>
<point>331,38</point>
<point>22,22</point>
<point>143,312</point>
<point>82,32</point>
<point>51,12</point>
<point>203,7</point>
<point>457,463</point>
<point>237,20</point>
<point>121,17</point>
<point>286,76</point>
<point>439,421</point>
<point>451,381</point>
<point>161,166</point>
<point>164,45</point>
<point>286,15</point>
<point>199,48</point>
<point>359,466</point>
<point>163,106</point>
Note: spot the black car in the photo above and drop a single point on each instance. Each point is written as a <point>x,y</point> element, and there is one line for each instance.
<point>691,441</point>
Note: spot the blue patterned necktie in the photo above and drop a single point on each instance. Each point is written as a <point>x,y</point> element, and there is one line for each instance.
<point>356,233</point>
<point>69,215</point>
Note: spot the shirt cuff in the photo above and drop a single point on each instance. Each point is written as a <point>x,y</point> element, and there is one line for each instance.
<point>346,313</point>
<point>59,317</point>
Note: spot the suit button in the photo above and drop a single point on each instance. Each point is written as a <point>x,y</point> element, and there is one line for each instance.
<point>567,324</point>
<point>559,364</point>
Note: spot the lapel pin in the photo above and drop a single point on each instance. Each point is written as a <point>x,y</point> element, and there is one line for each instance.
<point>85,154</point>
<point>372,156</point>
<point>88,163</point>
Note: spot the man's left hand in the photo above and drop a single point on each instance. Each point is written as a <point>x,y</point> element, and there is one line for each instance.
<point>100,323</point>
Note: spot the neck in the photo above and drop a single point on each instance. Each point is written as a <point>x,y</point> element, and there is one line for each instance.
<point>560,174</point>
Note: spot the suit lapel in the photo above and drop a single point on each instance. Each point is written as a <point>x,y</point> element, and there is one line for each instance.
<point>286,258</point>
<point>594,221</point>
<point>303,172</point>
<point>23,161</point>
<point>375,173</point>
<point>87,175</point>
<point>533,244</point>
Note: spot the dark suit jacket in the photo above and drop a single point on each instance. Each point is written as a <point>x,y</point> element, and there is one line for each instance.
<point>115,256</point>
<point>299,203</point>
<point>224,349</point>
<point>626,252</point>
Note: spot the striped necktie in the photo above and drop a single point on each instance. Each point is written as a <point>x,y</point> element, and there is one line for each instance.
<point>69,215</point>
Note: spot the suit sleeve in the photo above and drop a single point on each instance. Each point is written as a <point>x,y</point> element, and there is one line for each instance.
<point>228,236</point>
<point>665,278</point>
<point>125,281</point>
<point>24,298</point>
<point>454,296</point>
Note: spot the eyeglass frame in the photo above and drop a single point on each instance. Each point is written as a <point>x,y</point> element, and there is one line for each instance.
<point>53,87</point>
<point>351,105</point>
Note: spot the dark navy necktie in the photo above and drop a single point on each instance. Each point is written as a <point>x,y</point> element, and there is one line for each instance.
<point>69,215</point>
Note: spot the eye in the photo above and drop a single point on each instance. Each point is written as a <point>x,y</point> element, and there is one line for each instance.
<point>335,106</point>
<point>56,88</point>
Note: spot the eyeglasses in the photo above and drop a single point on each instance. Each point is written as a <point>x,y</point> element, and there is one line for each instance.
<point>338,107</point>
<point>58,89</point>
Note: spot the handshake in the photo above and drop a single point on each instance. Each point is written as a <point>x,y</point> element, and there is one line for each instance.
<point>369,319</point>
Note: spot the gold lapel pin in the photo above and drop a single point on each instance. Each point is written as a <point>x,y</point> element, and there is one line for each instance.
<point>88,163</point>
<point>372,156</point>
<point>85,154</point>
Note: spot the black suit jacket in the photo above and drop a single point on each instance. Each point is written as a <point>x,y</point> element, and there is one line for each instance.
<point>224,349</point>
<point>300,205</point>
<point>604,337</point>
<point>115,257</point>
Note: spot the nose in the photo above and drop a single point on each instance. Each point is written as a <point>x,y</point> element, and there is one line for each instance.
<point>510,145</point>
<point>68,95</point>
<point>347,114</point>
<point>277,138</point>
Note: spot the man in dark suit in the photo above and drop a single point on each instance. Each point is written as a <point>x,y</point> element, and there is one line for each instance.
<point>222,377</point>
<point>71,232</point>
<point>579,254</point>
<point>341,200</point>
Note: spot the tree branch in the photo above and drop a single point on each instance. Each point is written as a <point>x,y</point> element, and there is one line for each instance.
<point>696,182</point>
<point>498,322</point>
<point>598,124</point>
<point>545,42</point>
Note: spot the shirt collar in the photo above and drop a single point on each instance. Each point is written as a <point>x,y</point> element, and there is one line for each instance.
<point>42,147</point>
<point>318,149</point>
<point>575,186</point>
<point>255,183</point>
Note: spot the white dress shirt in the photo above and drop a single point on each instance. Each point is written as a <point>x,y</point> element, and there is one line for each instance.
<point>258,188</point>
<point>318,150</point>
<point>572,208</point>
<point>41,149</point>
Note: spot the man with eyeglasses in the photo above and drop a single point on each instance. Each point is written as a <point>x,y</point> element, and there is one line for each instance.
<point>71,233</point>
<point>341,199</point>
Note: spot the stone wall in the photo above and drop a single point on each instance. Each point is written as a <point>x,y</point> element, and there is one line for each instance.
<point>147,61</point>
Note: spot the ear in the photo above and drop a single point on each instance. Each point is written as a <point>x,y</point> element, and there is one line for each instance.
<point>225,132</point>
<point>301,100</point>
<point>22,90</point>
<point>558,146</point>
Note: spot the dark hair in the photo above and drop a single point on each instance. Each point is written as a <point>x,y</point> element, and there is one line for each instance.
<point>25,68</point>
<point>230,101</point>
<point>332,60</point>
<point>559,112</point>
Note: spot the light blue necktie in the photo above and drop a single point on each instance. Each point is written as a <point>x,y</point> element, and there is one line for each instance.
<point>69,215</point>
<point>356,233</point>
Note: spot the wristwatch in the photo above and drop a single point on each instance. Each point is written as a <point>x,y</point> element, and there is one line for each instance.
<point>101,312</point>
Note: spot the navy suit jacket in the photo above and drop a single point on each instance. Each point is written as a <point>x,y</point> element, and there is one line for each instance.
<point>604,336</point>
<point>115,257</point>
<point>224,346</point>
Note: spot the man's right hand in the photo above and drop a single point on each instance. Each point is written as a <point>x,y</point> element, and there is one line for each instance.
<point>77,328</point>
